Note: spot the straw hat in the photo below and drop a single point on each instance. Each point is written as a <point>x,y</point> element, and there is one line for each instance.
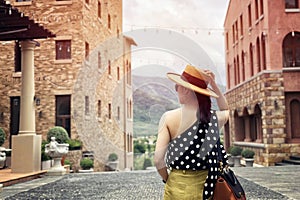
<point>194,79</point>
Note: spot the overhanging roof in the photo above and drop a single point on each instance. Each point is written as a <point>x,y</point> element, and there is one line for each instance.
<point>15,26</point>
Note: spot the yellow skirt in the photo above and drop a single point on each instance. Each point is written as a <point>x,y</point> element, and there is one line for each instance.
<point>185,185</point>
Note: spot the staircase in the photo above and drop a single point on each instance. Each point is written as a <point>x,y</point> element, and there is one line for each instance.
<point>294,160</point>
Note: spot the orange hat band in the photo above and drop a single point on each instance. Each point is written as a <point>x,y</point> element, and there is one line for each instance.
<point>193,80</point>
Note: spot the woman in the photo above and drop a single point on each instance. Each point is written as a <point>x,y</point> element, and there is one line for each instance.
<point>186,154</point>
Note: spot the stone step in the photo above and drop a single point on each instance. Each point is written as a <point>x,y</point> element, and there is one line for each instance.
<point>292,162</point>
<point>281,164</point>
<point>295,157</point>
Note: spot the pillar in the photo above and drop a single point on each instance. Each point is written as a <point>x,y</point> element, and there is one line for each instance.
<point>26,146</point>
<point>247,129</point>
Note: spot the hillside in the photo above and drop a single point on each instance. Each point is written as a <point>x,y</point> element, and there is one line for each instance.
<point>152,96</point>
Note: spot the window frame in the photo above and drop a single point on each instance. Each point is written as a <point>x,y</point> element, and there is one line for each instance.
<point>66,47</point>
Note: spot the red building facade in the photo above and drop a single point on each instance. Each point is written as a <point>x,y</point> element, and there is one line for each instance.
<point>262,41</point>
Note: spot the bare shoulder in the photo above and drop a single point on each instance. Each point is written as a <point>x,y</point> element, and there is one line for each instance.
<point>172,113</point>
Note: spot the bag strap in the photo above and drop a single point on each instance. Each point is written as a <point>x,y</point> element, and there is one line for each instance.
<point>220,160</point>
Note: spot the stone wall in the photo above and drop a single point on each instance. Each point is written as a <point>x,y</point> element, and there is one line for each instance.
<point>78,77</point>
<point>266,90</point>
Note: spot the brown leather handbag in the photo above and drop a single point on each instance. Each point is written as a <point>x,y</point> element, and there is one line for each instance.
<point>228,187</point>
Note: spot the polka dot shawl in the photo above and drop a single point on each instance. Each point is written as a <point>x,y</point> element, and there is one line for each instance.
<point>197,149</point>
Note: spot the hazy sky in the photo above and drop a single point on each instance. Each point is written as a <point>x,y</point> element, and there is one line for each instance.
<point>198,20</point>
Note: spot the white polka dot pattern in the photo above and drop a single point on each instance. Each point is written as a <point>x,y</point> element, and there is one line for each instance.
<point>196,149</point>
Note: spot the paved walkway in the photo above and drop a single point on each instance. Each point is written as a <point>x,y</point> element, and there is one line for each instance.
<point>260,183</point>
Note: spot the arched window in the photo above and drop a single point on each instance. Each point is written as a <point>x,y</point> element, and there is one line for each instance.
<point>258,55</point>
<point>243,66</point>
<point>263,52</point>
<point>291,50</point>
<point>238,70</point>
<point>258,124</point>
<point>239,133</point>
<point>251,59</point>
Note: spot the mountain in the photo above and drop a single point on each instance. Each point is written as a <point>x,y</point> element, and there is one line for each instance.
<point>152,96</point>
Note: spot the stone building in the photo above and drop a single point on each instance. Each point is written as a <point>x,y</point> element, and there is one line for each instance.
<point>82,77</point>
<point>263,77</point>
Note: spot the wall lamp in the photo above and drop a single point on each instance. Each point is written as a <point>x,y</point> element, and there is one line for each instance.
<point>40,114</point>
<point>1,116</point>
<point>37,101</point>
<point>276,104</point>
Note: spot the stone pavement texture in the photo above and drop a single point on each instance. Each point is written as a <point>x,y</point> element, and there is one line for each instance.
<point>260,183</point>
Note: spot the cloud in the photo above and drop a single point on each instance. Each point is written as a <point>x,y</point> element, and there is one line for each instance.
<point>200,20</point>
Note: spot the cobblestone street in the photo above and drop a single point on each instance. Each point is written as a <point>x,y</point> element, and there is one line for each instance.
<point>146,185</point>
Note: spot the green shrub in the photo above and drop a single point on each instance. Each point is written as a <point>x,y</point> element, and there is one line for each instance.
<point>147,163</point>
<point>60,134</point>
<point>68,162</point>
<point>44,156</point>
<point>74,144</point>
<point>2,136</point>
<point>247,153</point>
<point>112,157</point>
<point>228,150</point>
<point>86,163</point>
<point>236,151</point>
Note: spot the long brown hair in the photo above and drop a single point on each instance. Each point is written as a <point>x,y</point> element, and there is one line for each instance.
<point>204,103</point>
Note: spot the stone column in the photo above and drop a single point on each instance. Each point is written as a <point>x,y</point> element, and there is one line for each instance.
<point>247,129</point>
<point>26,146</point>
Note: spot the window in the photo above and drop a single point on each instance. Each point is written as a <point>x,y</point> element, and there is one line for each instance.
<point>109,111</point>
<point>261,7</point>
<point>258,54</point>
<point>18,57</point>
<point>249,16</point>
<point>119,113</point>
<point>241,25</point>
<point>251,59</point>
<point>291,4</point>
<point>109,67</point>
<point>291,50</point>
<point>87,105</point>
<point>22,0</point>
<point>63,112</point>
<point>227,41</point>
<point>63,49</point>
<point>243,66</point>
<point>99,9</point>
<point>236,31</point>
<point>108,21</point>
<point>87,50</point>
<point>263,51</point>
<point>233,33</point>
<point>256,10</point>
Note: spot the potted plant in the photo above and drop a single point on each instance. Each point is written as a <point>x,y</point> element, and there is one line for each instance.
<point>86,165</point>
<point>74,144</point>
<point>57,149</point>
<point>68,165</point>
<point>2,149</point>
<point>229,156</point>
<point>248,156</point>
<point>61,136</point>
<point>113,161</point>
<point>236,155</point>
